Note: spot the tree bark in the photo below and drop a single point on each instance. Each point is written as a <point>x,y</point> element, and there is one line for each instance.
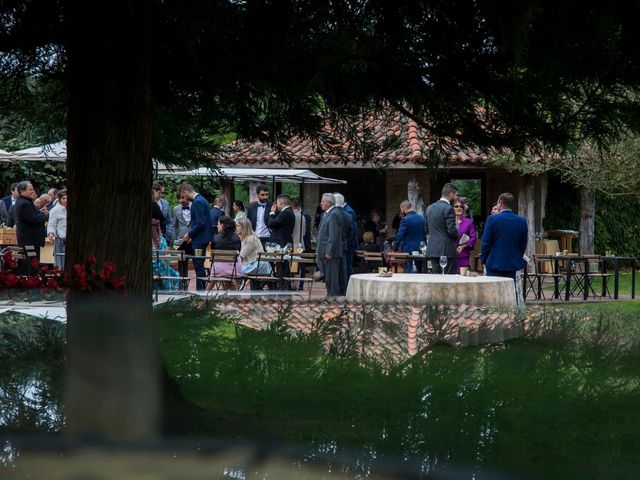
<point>111,371</point>
<point>587,221</point>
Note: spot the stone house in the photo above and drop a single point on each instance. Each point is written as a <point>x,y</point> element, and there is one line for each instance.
<point>397,167</point>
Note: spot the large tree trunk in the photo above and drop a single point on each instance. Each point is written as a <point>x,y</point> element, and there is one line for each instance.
<point>112,385</point>
<point>587,221</point>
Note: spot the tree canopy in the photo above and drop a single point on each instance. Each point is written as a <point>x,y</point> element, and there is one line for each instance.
<point>485,73</point>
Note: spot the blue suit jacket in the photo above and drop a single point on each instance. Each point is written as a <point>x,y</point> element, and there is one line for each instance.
<point>504,241</point>
<point>200,231</point>
<point>410,233</point>
<point>214,214</point>
<point>7,201</point>
<point>353,242</point>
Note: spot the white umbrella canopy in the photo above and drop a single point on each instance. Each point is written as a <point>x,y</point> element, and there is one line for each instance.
<point>254,174</point>
<point>5,156</point>
<point>52,152</point>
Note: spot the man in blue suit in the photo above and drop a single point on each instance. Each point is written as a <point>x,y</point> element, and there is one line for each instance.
<point>504,240</point>
<point>410,233</point>
<point>199,234</point>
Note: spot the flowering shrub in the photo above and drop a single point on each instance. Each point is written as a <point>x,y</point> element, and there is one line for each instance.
<point>82,277</point>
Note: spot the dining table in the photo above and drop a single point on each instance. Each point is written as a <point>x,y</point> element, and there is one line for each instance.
<point>422,289</point>
<point>565,269</point>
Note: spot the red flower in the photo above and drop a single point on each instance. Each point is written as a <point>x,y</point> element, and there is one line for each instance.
<point>91,259</point>
<point>35,263</point>
<point>10,280</point>
<point>108,268</point>
<point>52,283</point>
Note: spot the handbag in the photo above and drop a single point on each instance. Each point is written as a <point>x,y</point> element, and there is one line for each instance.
<point>464,239</point>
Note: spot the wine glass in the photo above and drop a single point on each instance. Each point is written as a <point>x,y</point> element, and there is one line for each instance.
<point>423,248</point>
<point>288,247</point>
<point>443,262</point>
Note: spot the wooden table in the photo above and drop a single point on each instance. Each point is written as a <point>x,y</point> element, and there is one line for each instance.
<point>616,272</point>
<point>569,271</point>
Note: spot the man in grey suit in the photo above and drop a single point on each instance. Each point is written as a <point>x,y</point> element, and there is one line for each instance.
<point>181,224</point>
<point>442,230</point>
<point>330,250</point>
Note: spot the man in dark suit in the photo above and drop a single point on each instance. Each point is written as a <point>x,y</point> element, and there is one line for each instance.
<point>442,230</point>
<point>199,234</point>
<point>352,246</point>
<point>258,214</point>
<point>347,237</point>
<point>11,199</point>
<point>30,221</point>
<point>504,240</point>
<point>281,221</point>
<point>410,233</point>
<point>330,249</point>
<point>216,212</point>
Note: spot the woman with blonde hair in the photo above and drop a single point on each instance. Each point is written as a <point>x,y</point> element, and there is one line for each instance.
<point>251,247</point>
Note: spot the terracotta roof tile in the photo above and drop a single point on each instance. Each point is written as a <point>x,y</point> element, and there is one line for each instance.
<point>398,139</point>
<point>389,327</point>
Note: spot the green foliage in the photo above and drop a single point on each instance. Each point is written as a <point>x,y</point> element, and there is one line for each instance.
<point>43,175</point>
<point>616,224</point>
<point>471,189</point>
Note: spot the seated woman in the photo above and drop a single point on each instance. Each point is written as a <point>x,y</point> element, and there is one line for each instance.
<point>251,247</point>
<point>225,239</point>
<point>160,268</point>
<point>376,226</point>
<point>370,246</point>
<point>466,230</point>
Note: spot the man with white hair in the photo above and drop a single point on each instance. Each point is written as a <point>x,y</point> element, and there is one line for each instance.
<point>350,240</point>
<point>329,249</point>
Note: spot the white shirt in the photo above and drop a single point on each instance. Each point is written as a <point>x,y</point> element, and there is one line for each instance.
<point>186,213</point>
<point>261,228</point>
<point>445,200</point>
<point>58,222</point>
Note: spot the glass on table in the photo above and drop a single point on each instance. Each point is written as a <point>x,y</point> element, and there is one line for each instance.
<point>443,262</point>
<point>423,248</point>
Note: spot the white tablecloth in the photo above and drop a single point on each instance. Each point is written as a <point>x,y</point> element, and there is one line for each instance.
<point>437,289</point>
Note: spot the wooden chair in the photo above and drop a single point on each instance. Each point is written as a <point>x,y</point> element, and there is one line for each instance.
<point>296,260</point>
<point>172,258</point>
<point>260,280</point>
<point>397,258</point>
<point>224,274</point>
<point>534,280</point>
<point>595,272</point>
<point>373,260</point>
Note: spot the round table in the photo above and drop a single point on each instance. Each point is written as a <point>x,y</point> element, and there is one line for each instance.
<point>422,289</point>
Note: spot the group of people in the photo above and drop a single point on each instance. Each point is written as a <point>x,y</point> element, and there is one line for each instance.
<point>36,218</point>
<point>197,225</point>
<point>446,230</point>
<point>448,233</point>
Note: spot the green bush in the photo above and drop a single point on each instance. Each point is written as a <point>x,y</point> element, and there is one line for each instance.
<point>616,224</point>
